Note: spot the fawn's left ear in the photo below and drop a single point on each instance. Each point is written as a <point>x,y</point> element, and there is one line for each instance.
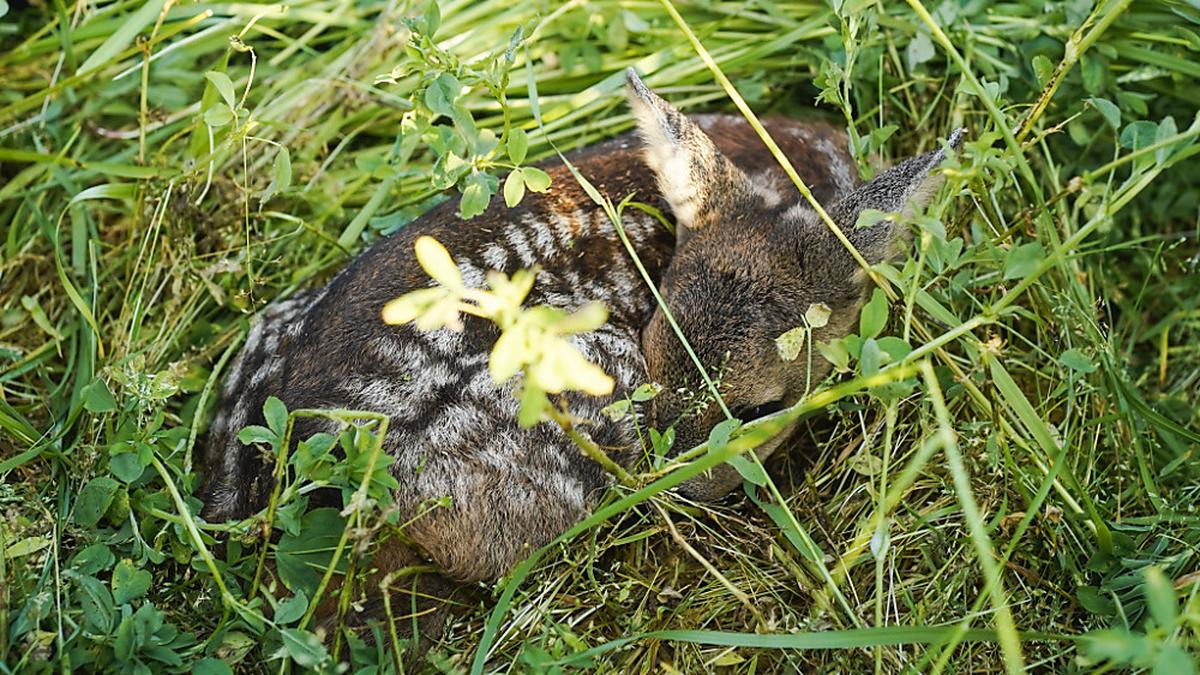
<point>701,184</point>
<point>908,185</point>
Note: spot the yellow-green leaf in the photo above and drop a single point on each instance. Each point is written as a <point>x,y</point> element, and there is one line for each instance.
<point>437,263</point>
<point>224,87</point>
<point>536,179</point>
<point>790,344</point>
<point>514,188</point>
<point>518,145</point>
<point>409,306</point>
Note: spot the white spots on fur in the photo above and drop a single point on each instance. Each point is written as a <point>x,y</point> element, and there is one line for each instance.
<point>443,341</point>
<point>268,368</point>
<point>495,257</point>
<point>385,396</point>
<point>766,185</point>
<point>801,212</point>
<point>481,384</point>
<point>233,381</point>
<point>519,243</point>
<point>564,227</point>
<point>543,234</point>
<point>453,424</point>
<point>438,375</point>
<point>843,177</point>
<point>399,355</point>
<point>295,327</point>
<point>472,275</point>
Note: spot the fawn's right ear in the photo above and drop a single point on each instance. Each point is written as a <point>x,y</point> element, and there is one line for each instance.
<point>909,184</point>
<point>700,183</point>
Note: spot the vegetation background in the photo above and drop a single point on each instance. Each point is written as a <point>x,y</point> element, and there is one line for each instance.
<point>1027,501</point>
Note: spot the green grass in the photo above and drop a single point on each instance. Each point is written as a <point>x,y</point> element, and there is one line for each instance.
<point>1022,495</point>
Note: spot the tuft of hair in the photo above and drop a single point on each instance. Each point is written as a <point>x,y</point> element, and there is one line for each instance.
<point>692,174</point>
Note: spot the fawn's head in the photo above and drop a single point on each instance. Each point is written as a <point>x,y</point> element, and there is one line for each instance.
<point>745,272</point>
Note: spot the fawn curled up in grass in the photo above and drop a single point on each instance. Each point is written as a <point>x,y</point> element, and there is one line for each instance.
<point>748,258</point>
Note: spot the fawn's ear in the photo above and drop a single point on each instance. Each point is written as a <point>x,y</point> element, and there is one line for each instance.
<point>701,184</point>
<point>901,189</point>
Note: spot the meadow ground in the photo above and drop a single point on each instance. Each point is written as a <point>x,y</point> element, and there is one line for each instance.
<point>1024,498</point>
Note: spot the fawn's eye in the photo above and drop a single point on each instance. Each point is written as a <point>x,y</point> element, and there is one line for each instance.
<point>752,413</point>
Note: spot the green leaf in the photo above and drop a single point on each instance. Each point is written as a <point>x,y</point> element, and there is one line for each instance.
<point>1043,69</point>
<point>117,191</point>
<point>125,643</point>
<point>514,188</point>
<point>1093,601</point>
<point>256,434</point>
<point>1166,129</point>
<point>879,136</point>
<point>817,315</point>
<point>26,546</point>
<point>1160,597</point>
<point>718,438</point>
<point>874,315</point>
<point>476,195</point>
<point>1173,660</point>
<point>432,19</point>
<point>211,666</point>
<point>122,36</point>
<point>1093,71</point>
<point>1117,645</point>
<point>1023,260</point>
<point>1077,361</point>
<point>646,391</point>
<point>129,583</point>
<point>836,354</point>
<point>93,500</point>
<point>920,49</point>
<point>126,466</point>
<point>751,471</point>
<point>224,87</point>
<point>442,93</point>
<point>97,604</point>
<point>617,410</point>
<point>302,558</point>
<point>791,344</point>
<point>97,398</point>
<point>871,358</point>
<point>536,179</point>
<point>895,348</point>
<point>1139,134</point>
<point>291,608</point>
<point>1110,111</point>
<point>634,23</point>
<point>218,115</point>
<point>518,145</point>
<point>869,218</point>
<point>276,415</point>
<point>533,405</point>
<point>662,443</point>
<point>92,559</point>
<point>281,175</point>
<point>303,647</point>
